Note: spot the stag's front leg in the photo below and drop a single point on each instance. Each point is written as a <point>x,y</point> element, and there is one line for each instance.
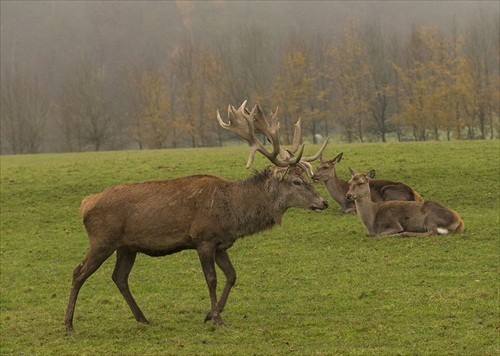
<point>224,263</point>
<point>206,253</point>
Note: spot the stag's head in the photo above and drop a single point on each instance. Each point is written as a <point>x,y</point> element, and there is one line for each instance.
<point>326,168</point>
<point>291,188</point>
<point>288,177</point>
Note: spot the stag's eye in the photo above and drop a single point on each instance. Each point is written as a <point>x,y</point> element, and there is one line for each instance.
<point>297,181</point>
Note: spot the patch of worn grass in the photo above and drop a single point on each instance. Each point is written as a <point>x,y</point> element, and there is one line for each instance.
<point>315,285</point>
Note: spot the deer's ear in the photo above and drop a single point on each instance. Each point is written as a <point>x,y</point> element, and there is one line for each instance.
<point>371,174</point>
<point>352,171</point>
<point>337,158</point>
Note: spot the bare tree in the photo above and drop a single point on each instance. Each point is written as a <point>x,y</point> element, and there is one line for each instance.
<point>85,108</point>
<point>24,112</point>
<point>186,69</point>
<point>380,75</point>
<point>256,63</point>
<point>481,51</point>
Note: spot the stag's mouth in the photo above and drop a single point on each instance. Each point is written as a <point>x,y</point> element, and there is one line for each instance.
<point>319,209</point>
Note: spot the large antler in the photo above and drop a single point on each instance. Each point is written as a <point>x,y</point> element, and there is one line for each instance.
<point>304,161</point>
<point>246,124</point>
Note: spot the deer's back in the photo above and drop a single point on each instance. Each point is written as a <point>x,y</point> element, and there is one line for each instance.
<point>385,190</point>
<point>410,214</point>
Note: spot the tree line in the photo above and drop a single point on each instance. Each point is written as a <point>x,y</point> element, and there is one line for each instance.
<point>366,85</point>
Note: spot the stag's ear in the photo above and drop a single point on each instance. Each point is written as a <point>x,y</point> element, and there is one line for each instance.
<point>371,174</point>
<point>352,171</point>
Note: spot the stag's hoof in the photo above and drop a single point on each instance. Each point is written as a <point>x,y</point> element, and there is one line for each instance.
<point>217,319</point>
<point>69,328</point>
<point>143,320</point>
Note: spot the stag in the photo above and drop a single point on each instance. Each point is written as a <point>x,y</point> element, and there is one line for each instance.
<point>201,212</point>
<point>399,218</point>
<point>381,190</point>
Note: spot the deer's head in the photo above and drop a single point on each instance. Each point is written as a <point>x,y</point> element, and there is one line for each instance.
<point>326,168</point>
<point>359,185</point>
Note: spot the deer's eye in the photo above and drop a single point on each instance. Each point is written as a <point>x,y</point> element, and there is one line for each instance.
<point>297,181</point>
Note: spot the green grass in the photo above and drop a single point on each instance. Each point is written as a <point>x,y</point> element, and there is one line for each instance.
<point>315,285</point>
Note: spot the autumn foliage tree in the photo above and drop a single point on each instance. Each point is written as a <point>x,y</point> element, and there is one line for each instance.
<point>294,84</point>
<point>348,74</point>
<point>151,120</point>
<point>435,87</point>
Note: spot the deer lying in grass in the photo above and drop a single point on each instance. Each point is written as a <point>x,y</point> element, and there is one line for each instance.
<point>381,190</point>
<point>400,218</point>
<point>200,212</point>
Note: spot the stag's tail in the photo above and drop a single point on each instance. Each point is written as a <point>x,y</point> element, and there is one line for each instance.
<point>88,203</point>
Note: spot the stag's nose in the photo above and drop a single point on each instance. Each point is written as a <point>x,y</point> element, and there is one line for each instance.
<point>314,178</point>
<point>348,197</point>
<point>325,204</point>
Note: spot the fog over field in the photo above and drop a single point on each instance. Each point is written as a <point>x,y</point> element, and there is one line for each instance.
<point>47,37</point>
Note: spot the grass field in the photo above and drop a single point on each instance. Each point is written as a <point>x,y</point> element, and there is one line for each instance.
<point>315,285</point>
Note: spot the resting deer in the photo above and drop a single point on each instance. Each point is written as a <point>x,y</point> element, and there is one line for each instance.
<point>400,218</point>
<point>381,190</point>
<point>200,212</point>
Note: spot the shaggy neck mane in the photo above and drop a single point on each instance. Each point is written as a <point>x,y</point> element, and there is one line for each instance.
<point>258,177</point>
<point>253,204</point>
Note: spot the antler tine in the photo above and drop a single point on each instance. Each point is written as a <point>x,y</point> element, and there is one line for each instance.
<point>304,162</point>
<point>319,153</point>
<point>297,134</point>
<point>286,155</point>
<point>270,129</point>
<point>239,127</point>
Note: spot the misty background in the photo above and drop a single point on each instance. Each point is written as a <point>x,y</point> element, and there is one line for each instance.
<point>53,51</point>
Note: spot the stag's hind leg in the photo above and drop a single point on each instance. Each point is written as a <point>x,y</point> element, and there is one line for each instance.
<point>92,261</point>
<point>125,259</point>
